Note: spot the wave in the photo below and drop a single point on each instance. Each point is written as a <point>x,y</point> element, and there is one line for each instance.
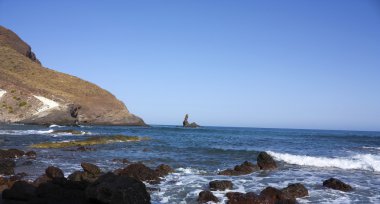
<point>368,162</point>
<point>54,125</point>
<point>25,132</point>
<point>365,147</point>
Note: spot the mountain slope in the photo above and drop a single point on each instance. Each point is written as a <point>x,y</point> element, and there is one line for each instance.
<point>30,93</point>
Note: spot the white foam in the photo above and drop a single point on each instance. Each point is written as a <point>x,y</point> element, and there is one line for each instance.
<point>54,125</point>
<point>368,162</point>
<point>2,92</point>
<point>47,104</point>
<point>365,147</point>
<point>25,132</point>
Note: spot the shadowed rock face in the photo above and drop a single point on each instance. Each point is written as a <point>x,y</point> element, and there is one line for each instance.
<point>25,81</point>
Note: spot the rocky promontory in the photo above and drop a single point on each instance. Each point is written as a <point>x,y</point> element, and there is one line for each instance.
<point>33,94</point>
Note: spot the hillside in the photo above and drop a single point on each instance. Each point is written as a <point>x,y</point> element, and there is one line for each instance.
<point>33,94</point>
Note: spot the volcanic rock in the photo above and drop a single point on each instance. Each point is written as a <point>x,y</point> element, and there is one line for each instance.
<point>296,190</point>
<point>265,161</point>
<point>90,168</point>
<point>207,196</point>
<point>242,169</point>
<point>186,123</point>
<point>7,166</point>
<point>110,188</point>
<point>337,185</point>
<point>54,172</point>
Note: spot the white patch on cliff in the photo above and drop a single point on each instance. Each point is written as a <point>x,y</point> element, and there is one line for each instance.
<point>2,92</point>
<point>47,104</point>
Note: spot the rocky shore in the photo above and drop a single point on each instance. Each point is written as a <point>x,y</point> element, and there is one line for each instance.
<point>129,184</point>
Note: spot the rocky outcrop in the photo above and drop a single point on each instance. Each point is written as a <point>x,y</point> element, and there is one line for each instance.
<point>10,39</point>
<point>32,94</point>
<point>296,190</point>
<point>54,188</point>
<point>242,169</point>
<point>206,197</point>
<point>111,188</point>
<point>337,185</point>
<point>269,195</point>
<point>186,123</point>
<point>265,161</point>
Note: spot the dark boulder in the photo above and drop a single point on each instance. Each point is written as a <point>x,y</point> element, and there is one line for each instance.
<point>337,185</point>
<point>265,161</point>
<point>60,190</point>
<point>7,166</point>
<point>83,176</point>
<point>54,172</point>
<point>91,168</point>
<point>31,154</point>
<point>242,169</point>
<point>207,196</point>
<point>296,190</point>
<point>76,176</point>
<point>140,172</point>
<point>247,198</point>
<point>110,188</point>
<point>277,196</point>
<point>163,170</point>
<point>20,190</point>
<point>220,185</point>
<point>11,153</point>
<point>41,179</point>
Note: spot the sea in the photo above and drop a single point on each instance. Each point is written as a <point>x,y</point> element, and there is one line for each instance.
<point>198,154</point>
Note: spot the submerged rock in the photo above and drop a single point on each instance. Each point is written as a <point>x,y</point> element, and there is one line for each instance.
<point>73,132</point>
<point>89,141</point>
<point>337,185</point>
<point>186,123</point>
<point>207,196</point>
<point>31,154</point>
<point>220,185</point>
<point>265,161</point>
<point>111,188</point>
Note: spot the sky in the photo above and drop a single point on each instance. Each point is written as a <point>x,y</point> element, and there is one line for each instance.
<point>276,64</point>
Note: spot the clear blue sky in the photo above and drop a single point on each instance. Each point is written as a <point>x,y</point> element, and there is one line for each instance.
<point>292,64</point>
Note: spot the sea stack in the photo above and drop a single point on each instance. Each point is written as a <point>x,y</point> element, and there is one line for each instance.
<point>186,123</point>
<point>33,94</point>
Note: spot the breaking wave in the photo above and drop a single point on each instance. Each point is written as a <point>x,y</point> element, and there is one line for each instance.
<point>368,162</point>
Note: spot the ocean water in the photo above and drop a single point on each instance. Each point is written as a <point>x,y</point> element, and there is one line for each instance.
<point>305,156</point>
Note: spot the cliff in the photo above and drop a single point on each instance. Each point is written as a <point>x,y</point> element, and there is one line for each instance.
<point>33,94</point>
